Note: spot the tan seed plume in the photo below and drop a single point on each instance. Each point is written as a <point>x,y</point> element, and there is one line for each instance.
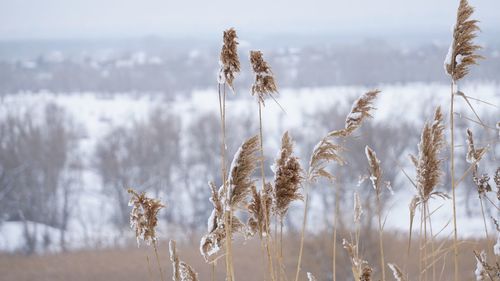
<point>229,61</point>
<point>287,177</point>
<point>259,214</point>
<point>240,176</point>
<point>181,271</point>
<point>240,184</point>
<point>360,111</point>
<point>144,216</point>
<point>473,154</point>
<point>429,163</point>
<point>264,84</point>
<point>462,52</point>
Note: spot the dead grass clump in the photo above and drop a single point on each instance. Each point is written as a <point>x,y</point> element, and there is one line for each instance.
<point>229,61</point>
<point>264,83</point>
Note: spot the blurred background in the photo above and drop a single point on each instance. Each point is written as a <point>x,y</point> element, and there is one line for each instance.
<point>98,96</point>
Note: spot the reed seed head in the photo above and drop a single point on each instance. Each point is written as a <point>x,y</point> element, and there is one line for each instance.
<point>375,169</point>
<point>264,83</point>
<point>287,177</point>
<point>462,51</point>
<point>229,61</point>
<point>429,162</point>
<point>144,216</point>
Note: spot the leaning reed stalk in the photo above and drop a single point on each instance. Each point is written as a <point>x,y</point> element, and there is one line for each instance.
<point>327,151</point>
<point>263,86</point>
<point>229,67</point>
<point>376,180</point>
<point>461,55</point>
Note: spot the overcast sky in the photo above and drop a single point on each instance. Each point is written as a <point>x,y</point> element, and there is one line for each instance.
<point>56,19</point>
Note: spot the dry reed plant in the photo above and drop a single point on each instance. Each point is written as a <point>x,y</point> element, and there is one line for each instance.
<point>239,188</point>
<point>257,222</point>
<point>263,86</point>
<point>181,271</point>
<point>484,270</point>
<point>361,270</point>
<point>144,219</point>
<point>229,61</point>
<point>230,65</point>
<point>327,151</point>
<point>376,180</point>
<point>461,55</point>
<point>428,169</point>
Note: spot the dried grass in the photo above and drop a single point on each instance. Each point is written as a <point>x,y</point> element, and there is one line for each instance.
<point>264,84</point>
<point>229,61</point>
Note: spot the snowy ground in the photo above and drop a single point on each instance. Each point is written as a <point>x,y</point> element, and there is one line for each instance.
<point>99,112</point>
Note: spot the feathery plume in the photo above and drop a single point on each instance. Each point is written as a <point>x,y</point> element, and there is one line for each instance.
<point>287,177</point>
<point>229,61</point>
<point>396,271</point>
<point>264,83</point>
<point>244,163</point>
<point>429,162</point>
<point>497,179</point>
<point>360,111</point>
<point>366,273</point>
<point>144,216</point>
<point>482,183</point>
<point>257,222</point>
<point>240,186</point>
<point>462,51</point>
<point>181,271</point>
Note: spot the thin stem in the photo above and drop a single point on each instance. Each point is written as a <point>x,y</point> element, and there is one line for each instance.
<point>484,218</point>
<point>453,187</point>
<point>304,222</point>
<point>269,257</point>
<point>336,216</point>
<point>432,244</point>
<point>149,268</point>
<point>158,260</point>
<point>381,237</point>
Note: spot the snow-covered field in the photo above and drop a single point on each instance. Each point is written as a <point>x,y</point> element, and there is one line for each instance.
<point>98,113</point>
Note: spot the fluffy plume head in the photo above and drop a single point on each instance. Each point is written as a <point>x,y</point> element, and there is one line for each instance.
<point>375,169</point>
<point>264,83</point>
<point>396,271</point>
<point>212,242</point>
<point>144,216</point>
<point>366,273</point>
<point>360,111</point>
<point>240,176</point>
<point>324,152</point>
<point>181,271</point>
<point>287,178</point>
<point>259,211</point>
<point>429,161</point>
<point>462,51</point>
<point>229,61</point>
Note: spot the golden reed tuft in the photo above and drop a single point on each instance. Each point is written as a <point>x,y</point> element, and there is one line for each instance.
<point>229,60</point>
<point>143,217</point>
<point>259,210</point>
<point>264,83</point>
<point>462,52</point>
<point>287,178</point>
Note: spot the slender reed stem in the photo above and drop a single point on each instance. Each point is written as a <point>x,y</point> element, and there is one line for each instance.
<point>149,268</point>
<point>433,255</point>
<point>484,219</point>
<point>335,224</point>
<point>158,260</point>
<point>304,222</point>
<point>269,257</point>
<point>381,237</point>
<point>452,159</point>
